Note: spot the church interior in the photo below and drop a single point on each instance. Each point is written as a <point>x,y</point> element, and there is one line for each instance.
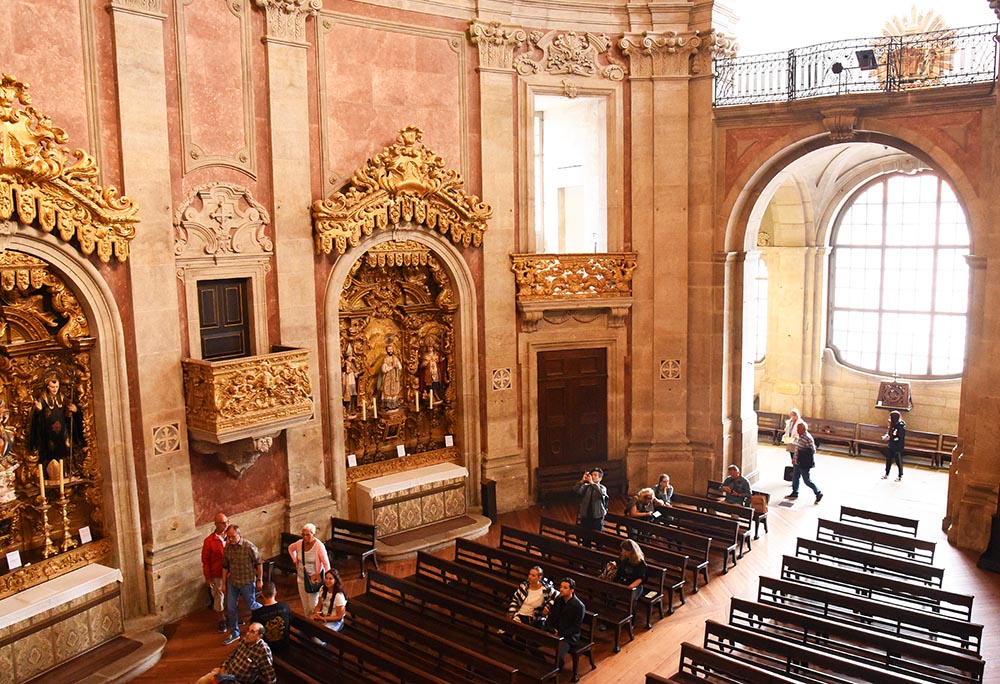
<point>417,264</point>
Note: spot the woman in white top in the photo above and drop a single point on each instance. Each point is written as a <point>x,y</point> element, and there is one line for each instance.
<point>788,439</point>
<point>310,558</point>
<point>332,604</point>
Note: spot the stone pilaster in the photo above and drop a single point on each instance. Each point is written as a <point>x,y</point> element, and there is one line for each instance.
<point>288,99</point>
<point>503,457</point>
<point>145,149</point>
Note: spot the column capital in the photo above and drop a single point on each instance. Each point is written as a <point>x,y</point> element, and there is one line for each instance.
<point>286,19</point>
<point>496,43</point>
<point>669,53</point>
<point>146,8</point>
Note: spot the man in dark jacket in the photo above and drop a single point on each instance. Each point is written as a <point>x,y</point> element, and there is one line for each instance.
<point>566,617</point>
<point>896,437</point>
<point>593,500</point>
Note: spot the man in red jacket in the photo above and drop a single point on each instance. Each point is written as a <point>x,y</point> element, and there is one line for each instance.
<point>211,564</point>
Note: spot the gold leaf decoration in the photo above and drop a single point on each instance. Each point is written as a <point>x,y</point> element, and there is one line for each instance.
<point>573,276</point>
<point>404,182</point>
<point>47,185</point>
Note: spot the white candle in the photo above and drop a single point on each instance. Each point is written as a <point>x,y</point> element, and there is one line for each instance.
<point>364,410</point>
<point>416,400</point>
<point>432,399</point>
<point>62,482</point>
<point>41,479</point>
<point>374,408</point>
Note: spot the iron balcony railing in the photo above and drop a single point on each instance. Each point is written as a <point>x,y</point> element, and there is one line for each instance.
<point>861,65</point>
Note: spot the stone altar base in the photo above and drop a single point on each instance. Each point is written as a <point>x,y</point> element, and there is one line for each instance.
<point>431,537</point>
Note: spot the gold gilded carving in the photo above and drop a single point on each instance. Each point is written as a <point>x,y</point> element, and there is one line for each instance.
<point>227,400</point>
<point>496,43</point>
<point>399,465</point>
<point>22,276</point>
<point>47,185</point>
<point>407,253</point>
<point>573,276</point>
<point>96,552</point>
<point>286,19</point>
<point>661,54</point>
<point>572,53</point>
<point>404,182</point>
<point>922,62</point>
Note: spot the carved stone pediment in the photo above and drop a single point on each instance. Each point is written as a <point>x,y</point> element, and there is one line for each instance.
<point>47,185</point>
<point>570,53</point>
<point>404,182</point>
<point>221,220</point>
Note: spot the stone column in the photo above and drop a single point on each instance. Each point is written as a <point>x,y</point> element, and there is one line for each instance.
<point>503,456</point>
<point>288,99</point>
<point>146,153</point>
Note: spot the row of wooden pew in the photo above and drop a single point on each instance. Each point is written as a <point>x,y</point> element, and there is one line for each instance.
<point>863,602</point>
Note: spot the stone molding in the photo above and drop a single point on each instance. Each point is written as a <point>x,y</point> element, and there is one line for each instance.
<point>286,19</point>
<point>662,54</point>
<point>496,43</point>
<point>570,53</point>
<point>841,123</point>
<point>147,8</point>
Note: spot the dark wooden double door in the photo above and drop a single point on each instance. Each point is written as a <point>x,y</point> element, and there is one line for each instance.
<point>572,407</point>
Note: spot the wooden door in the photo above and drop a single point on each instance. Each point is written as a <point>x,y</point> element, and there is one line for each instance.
<point>225,325</point>
<point>572,406</point>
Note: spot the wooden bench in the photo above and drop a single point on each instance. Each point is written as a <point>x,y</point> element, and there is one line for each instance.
<point>923,444</point>
<point>879,541</point>
<point>744,514</point>
<point>726,533</point>
<point>282,562</point>
<point>879,521</point>
<point>886,589</point>
<point>666,568</point>
<point>771,425</point>
<point>932,664</point>
<point>317,654</point>
<point>916,625</point>
<point>351,538</point>
<point>795,660</point>
<point>870,437</point>
<point>557,482</point>
<point>713,490</point>
<point>611,602</point>
<point>701,666</point>
<point>532,651</point>
<point>829,432</point>
<point>695,546</point>
<point>870,562</point>
<point>948,445</point>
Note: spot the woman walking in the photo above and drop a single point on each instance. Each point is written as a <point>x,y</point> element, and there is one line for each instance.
<point>896,437</point>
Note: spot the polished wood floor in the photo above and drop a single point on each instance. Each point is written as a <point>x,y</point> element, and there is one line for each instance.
<point>195,646</point>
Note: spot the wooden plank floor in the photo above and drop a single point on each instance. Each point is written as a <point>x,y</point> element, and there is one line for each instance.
<point>195,646</point>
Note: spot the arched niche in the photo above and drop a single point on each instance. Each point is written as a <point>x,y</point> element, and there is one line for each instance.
<point>465,375</point>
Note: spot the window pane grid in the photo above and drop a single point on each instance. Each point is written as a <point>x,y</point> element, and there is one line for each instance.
<point>899,279</point>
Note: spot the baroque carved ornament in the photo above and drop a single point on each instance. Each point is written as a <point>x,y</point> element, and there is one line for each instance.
<point>49,186</point>
<point>221,219</point>
<point>674,54</point>
<point>572,53</point>
<point>496,43</point>
<point>573,276</point>
<point>404,182</point>
<point>286,19</point>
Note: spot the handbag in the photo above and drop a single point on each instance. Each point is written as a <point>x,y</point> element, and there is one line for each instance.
<point>758,502</point>
<point>610,570</point>
<point>788,473</point>
<point>310,586</point>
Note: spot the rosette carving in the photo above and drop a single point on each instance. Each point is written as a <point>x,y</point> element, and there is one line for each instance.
<point>404,182</point>
<point>576,54</point>
<point>49,186</point>
<point>573,276</point>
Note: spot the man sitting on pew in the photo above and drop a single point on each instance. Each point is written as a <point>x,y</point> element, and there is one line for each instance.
<point>249,663</point>
<point>736,487</point>
<point>533,598</point>
<point>566,617</point>
<point>275,615</point>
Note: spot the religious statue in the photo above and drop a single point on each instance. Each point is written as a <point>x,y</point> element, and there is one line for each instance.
<point>390,382</point>
<point>8,464</point>
<point>350,379</point>
<point>55,427</point>
<point>433,373</point>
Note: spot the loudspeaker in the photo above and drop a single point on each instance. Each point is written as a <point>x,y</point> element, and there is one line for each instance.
<point>488,495</point>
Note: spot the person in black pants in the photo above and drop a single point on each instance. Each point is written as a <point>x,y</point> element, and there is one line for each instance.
<point>896,437</point>
<point>566,617</point>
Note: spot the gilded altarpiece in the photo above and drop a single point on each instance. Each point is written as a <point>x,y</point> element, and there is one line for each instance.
<point>45,336</point>
<point>397,339</point>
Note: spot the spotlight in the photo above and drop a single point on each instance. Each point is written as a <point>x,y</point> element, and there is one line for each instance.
<point>866,60</point>
<point>837,67</point>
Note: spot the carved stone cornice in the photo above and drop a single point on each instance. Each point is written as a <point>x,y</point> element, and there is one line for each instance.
<point>496,43</point>
<point>841,123</point>
<point>561,277</point>
<point>570,53</point>
<point>53,188</point>
<point>286,19</point>
<point>147,8</point>
<point>661,54</point>
<point>404,182</point>
<point>715,44</point>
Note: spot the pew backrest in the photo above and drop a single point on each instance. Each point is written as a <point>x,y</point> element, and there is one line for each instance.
<point>879,521</point>
<point>891,544</point>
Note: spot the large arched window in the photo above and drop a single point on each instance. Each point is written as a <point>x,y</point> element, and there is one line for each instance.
<point>899,279</point>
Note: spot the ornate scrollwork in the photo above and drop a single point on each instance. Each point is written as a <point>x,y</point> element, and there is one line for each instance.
<point>24,276</point>
<point>572,53</point>
<point>48,185</point>
<point>496,43</point>
<point>240,398</point>
<point>573,276</point>
<point>286,19</point>
<point>404,182</point>
<point>219,219</point>
<point>661,54</point>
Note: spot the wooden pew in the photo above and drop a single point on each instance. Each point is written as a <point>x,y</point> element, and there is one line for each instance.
<point>695,546</point>
<point>351,538</point>
<point>917,625</point>
<point>879,521</point>
<point>713,490</point>
<point>771,425</point>
<point>611,601</point>
<point>870,437</point>
<point>868,561</point>
<point>701,666</point>
<point>557,482</point>
<point>744,514</point>
<point>726,533</point>
<point>948,444</point>
<point>879,541</point>
<point>342,658</point>
<point>532,651</point>
<point>282,562</point>
<point>827,432</point>
<point>886,589</point>
<point>424,649</point>
<point>673,565</point>
<point>795,660</point>
<point>934,665</point>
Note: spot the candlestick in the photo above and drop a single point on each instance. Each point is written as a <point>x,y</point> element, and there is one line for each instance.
<point>374,408</point>
<point>67,539</point>
<point>41,480</point>
<point>62,482</point>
